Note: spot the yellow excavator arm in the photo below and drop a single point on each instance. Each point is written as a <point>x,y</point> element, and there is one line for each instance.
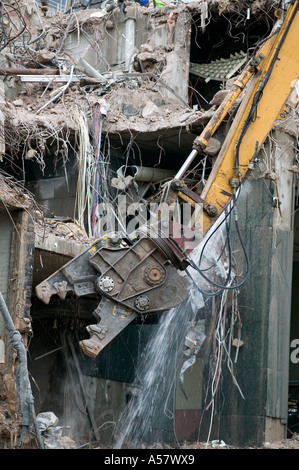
<point>142,276</point>
<point>270,76</point>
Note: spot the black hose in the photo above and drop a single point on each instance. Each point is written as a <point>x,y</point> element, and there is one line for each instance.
<point>225,286</point>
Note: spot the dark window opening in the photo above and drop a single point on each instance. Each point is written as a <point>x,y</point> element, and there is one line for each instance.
<point>223,37</point>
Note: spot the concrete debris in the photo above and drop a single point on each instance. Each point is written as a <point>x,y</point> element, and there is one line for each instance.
<point>213,147</point>
<point>185,116</point>
<point>69,229</point>
<point>46,419</point>
<point>52,433</point>
<point>13,195</point>
<point>271,175</point>
<point>9,395</point>
<point>218,444</point>
<point>219,97</point>
<point>237,342</point>
<point>62,228</point>
<point>149,109</point>
<point>45,57</point>
<point>150,58</point>
<point>18,103</point>
<point>23,325</point>
<point>289,121</point>
<point>231,6</point>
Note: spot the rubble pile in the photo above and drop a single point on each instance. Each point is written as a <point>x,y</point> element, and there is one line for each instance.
<point>62,227</point>
<point>136,99</point>
<point>53,435</point>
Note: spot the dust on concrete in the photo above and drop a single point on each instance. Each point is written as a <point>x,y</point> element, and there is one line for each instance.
<point>291,443</point>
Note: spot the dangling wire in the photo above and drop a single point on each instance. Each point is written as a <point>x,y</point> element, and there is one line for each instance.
<point>97,137</point>
<point>227,285</point>
<point>86,160</point>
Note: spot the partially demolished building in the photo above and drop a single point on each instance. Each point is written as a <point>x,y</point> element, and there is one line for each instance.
<point>100,105</point>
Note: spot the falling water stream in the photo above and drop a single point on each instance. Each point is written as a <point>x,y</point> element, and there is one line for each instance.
<point>142,420</point>
<point>145,417</point>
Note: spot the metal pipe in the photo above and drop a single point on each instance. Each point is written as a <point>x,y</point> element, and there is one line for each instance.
<point>145,174</point>
<point>23,71</point>
<point>89,70</point>
<point>130,42</point>
<point>186,164</point>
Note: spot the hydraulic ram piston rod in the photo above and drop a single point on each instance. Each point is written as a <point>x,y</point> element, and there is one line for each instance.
<point>201,142</point>
<point>186,164</point>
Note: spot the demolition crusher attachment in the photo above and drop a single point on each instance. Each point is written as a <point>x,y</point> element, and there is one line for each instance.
<point>130,279</point>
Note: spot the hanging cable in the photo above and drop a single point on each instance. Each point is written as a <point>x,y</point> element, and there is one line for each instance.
<point>84,181</point>
<point>226,285</point>
<point>97,135</point>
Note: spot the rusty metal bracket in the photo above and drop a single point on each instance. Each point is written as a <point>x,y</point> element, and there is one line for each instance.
<point>210,209</point>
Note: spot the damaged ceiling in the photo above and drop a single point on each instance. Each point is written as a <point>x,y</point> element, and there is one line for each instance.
<point>142,105</point>
<point>58,68</point>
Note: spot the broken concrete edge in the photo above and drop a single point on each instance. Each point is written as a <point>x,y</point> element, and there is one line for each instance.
<point>52,243</point>
<point>13,195</point>
<point>88,17</point>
